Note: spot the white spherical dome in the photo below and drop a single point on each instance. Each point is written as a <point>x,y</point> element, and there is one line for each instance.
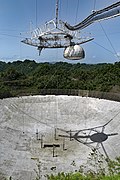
<point>75,52</point>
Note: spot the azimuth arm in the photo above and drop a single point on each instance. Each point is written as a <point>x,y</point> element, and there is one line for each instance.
<point>106,13</point>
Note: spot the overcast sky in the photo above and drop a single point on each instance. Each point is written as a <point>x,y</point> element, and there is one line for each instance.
<point>16,15</point>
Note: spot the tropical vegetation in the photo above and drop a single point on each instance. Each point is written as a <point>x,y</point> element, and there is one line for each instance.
<point>29,77</point>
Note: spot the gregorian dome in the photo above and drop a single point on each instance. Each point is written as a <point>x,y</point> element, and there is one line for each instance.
<point>75,52</point>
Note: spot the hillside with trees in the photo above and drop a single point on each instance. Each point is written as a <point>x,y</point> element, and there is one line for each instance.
<point>29,77</point>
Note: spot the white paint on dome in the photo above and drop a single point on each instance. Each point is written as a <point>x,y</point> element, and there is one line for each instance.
<point>74,52</point>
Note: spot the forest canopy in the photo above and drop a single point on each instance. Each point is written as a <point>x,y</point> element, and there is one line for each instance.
<point>29,77</point>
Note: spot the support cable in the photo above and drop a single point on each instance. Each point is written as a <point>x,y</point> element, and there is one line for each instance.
<point>67,9</point>
<point>36,4</point>
<point>31,117</point>
<point>94,6</point>
<point>77,11</point>
<point>57,2</point>
<point>103,47</point>
<point>109,40</point>
<point>9,35</point>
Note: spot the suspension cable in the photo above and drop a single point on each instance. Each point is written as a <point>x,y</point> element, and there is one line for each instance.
<point>109,40</point>
<point>36,13</point>
<point>77,11</point>
<point>94,5</point>
<point>56,13</point>
<point>102,47</point>
<point>67,9</point>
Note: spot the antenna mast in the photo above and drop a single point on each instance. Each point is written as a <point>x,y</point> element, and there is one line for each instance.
<point>56,22</point>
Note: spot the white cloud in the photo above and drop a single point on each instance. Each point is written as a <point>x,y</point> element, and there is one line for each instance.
<point>117,55</point>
